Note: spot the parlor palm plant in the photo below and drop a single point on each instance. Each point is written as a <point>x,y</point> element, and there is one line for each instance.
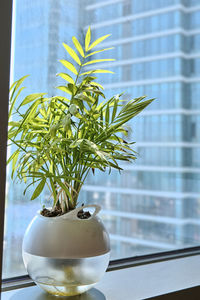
<point>60,139</point>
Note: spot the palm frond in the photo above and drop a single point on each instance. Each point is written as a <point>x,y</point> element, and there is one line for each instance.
<point>59,139</point>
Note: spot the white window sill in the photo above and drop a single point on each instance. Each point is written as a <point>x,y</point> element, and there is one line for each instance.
<point>139,282</point>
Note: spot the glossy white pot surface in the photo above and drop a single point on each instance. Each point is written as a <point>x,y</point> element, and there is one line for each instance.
<point>67,236</point>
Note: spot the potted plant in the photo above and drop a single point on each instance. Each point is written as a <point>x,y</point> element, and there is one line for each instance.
<point>58,141</point>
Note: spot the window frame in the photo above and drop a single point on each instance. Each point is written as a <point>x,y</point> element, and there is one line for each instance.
<point>5,33</point>
<point>22,281</point>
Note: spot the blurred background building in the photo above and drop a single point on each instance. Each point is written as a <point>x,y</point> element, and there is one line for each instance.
<point>154,205</point>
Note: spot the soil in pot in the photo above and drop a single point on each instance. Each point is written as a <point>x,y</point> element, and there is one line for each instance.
<point>58,212</point>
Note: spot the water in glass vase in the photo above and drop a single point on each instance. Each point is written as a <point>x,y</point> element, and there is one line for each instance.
<point>65,277</point>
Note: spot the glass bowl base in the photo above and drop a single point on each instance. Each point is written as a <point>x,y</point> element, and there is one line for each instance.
<point>65,290</point>
<point>64,276</point>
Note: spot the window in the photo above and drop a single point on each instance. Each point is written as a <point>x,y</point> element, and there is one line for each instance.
<point>158,187</point>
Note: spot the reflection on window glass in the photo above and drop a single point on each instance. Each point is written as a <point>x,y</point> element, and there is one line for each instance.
<point>154,205</point>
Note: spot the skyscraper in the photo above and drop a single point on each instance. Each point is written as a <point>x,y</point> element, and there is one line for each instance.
<point>155,202</point>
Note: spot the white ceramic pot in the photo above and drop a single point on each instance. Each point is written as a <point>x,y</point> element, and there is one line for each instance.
<point>66,255</point>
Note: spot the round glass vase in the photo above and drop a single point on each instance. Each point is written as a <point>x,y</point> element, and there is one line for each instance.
<point>66,255</point>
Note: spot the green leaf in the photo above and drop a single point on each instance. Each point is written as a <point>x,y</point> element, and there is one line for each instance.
<point>97,84</point>
<point>84,98</point>
<point>101,155</point>
<point>107,115</point>
<point>12,86</point>
<point>66,77</point>
<point>14,162</point>
<point>64,89</point>
<point>87,39</point>
<point>78,46</point>
<point>14,101</point>
<point>29,114</point>
<point>96,71</point>
<point>53,190</point>
<point>31,98</point>
<point>43,113</point>
<point>115,109</point>
<point>98,41</point>
<point>72,53</point>
<point>14,124</point>
<point>76,143</point>
<point>63,186</point>
<point>26,158</point>
<point>78,102</point>
<point>16,153</point>
<point>131,109</point>
<point>16,85</point>
<point>24,192</point>
<point>98,51</point>
<point>97,60</point>
<point>72,88</point>
<point>69,66</point>
<point>39,189</point>
<point>137,100</point>
<point>87,79</point>
<point>87,145</point>
<point>62,99</point>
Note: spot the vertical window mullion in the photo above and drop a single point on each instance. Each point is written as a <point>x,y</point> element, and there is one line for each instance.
<point>5,33</point>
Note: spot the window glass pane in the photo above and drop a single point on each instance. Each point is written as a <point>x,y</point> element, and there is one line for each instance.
<point>154,205</point>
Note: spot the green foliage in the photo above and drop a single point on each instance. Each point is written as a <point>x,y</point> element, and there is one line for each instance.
<point>59,139</point>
